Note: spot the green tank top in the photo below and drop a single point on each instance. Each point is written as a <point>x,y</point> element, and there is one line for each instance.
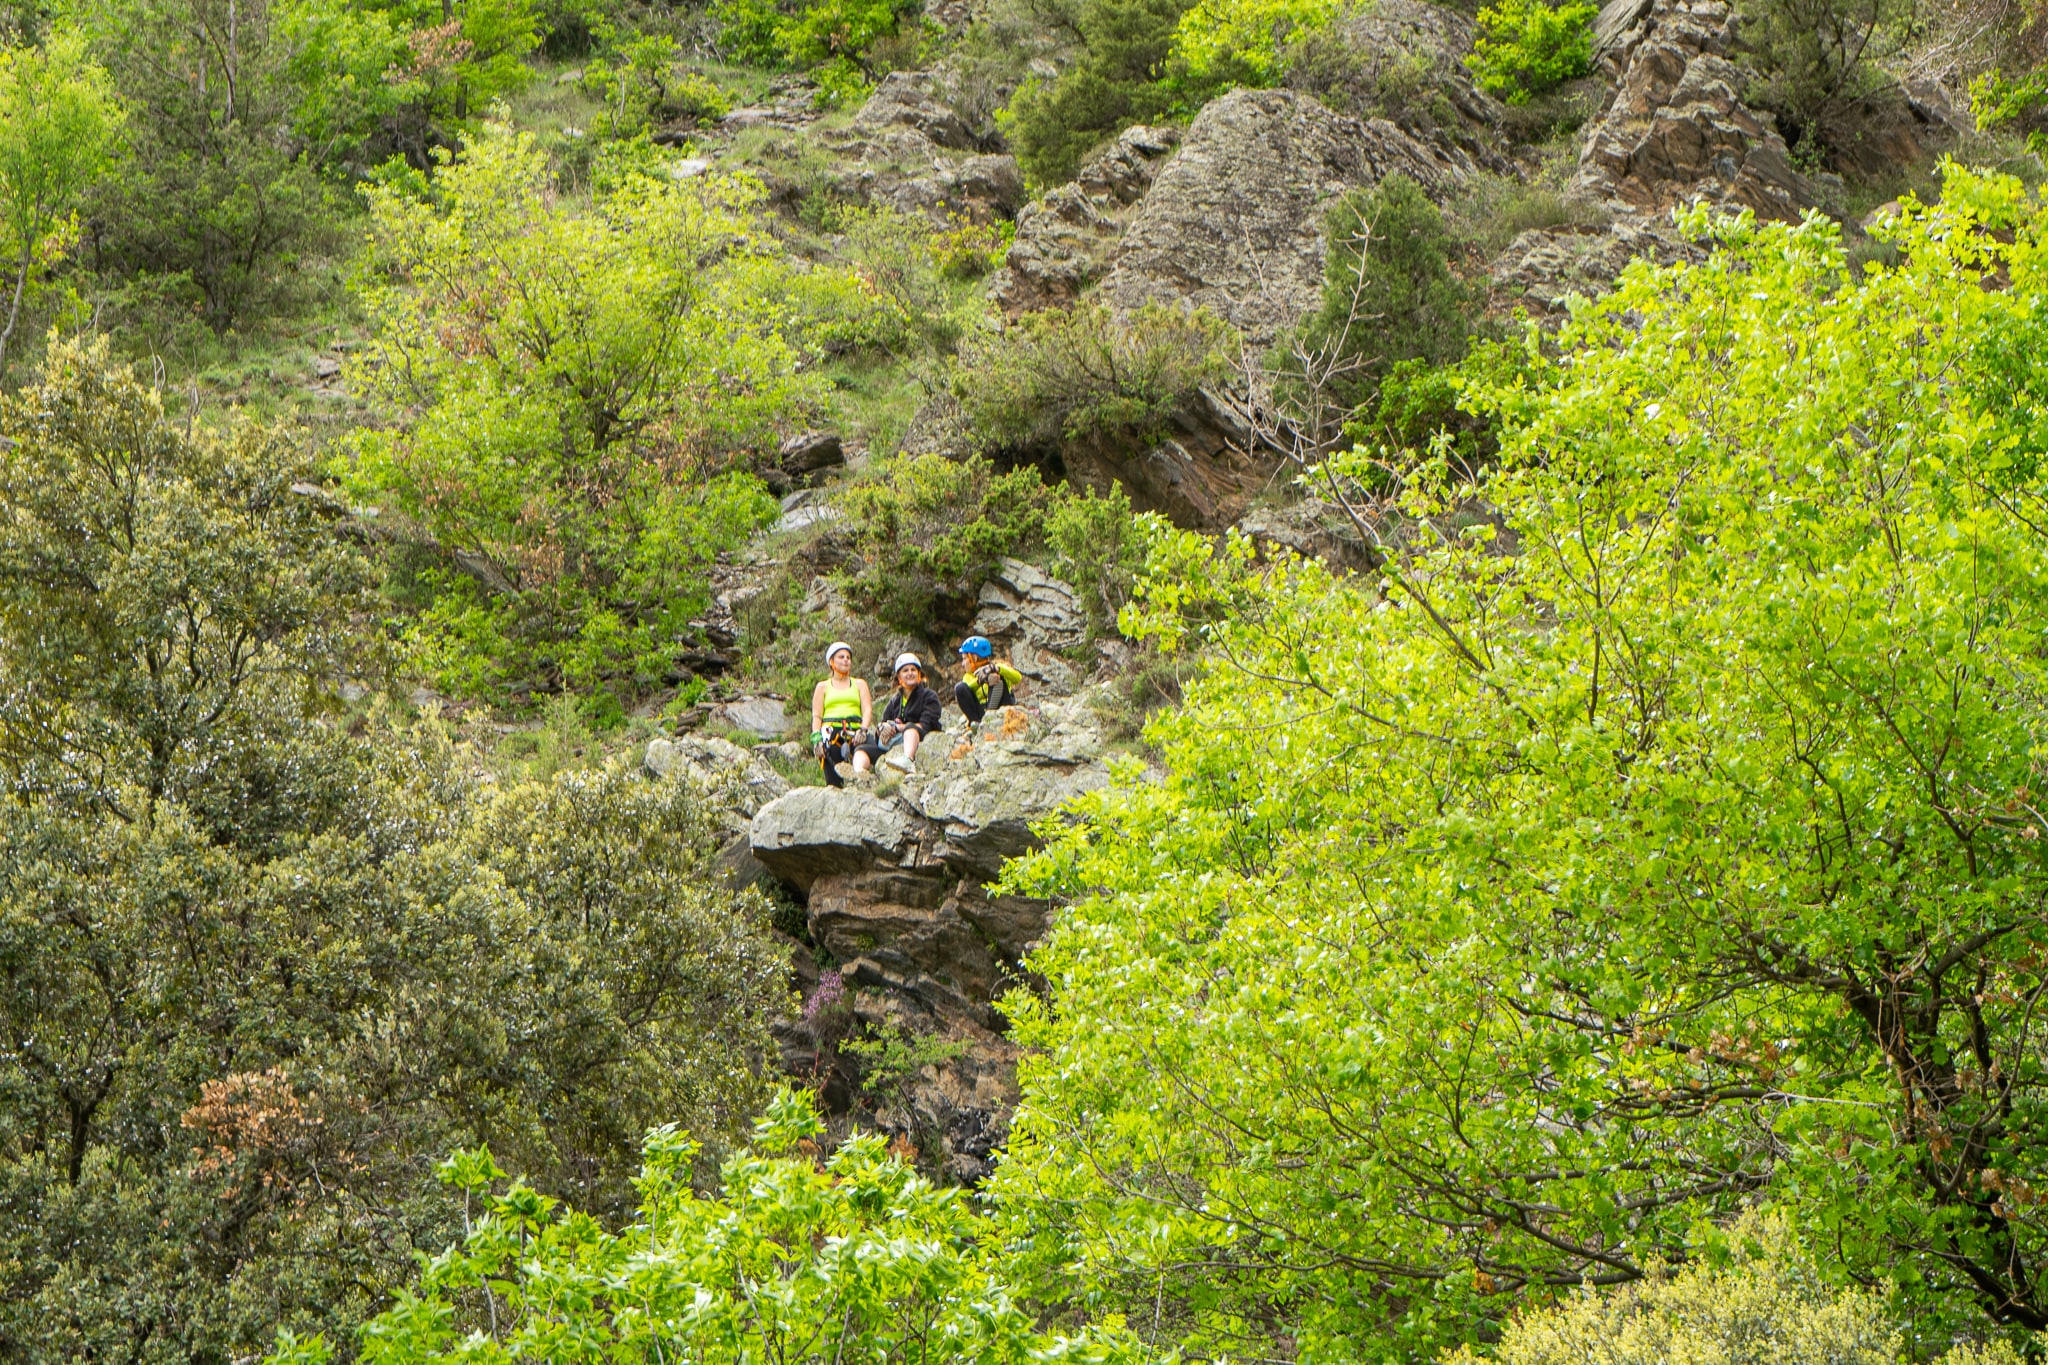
<point>842,703</point>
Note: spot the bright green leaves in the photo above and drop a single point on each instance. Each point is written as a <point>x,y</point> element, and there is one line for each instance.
<point>1501,918</point>
<point>58,123</point>
<point>581,388</point>
<point>853,1259</point>
<point>1528,47</point>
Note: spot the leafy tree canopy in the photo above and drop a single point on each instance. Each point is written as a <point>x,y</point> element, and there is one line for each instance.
<point>852,1259</point>
<point>579,390</point>
<point>257,967</point>
<point>1504,916</point>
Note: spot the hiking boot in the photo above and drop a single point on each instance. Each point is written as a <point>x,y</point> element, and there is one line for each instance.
<point>899,760</point>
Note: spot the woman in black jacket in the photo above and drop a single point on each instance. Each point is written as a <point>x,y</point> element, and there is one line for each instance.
<point>912,713</point>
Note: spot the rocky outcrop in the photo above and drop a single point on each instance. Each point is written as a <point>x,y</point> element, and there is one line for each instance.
<point>1065,241</point>
<point>1235,221</point>
<point>910,148</point>
<point>1205,473</point>
<point>1035,621</point>
<point>1544,267</point>
<point>1675,130</point>
<point>1403,60</point>
<point>894,887</point>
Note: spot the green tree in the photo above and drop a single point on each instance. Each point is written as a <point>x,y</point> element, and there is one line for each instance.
<point>1115,81</point>
<point>1528,47</point>
<point>258,967</point>
<point>58,121</point>
<point>579,391</point>
<point>218,194</point>
<point>855,1258</point>
<point>1506,914</point>
<point>163,593</point>
<point>1389,295</point>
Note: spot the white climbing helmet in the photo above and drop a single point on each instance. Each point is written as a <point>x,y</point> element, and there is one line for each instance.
<point>904,661</point>
<point>834,648</point>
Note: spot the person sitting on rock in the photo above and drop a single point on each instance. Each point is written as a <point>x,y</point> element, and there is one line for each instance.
<point>912,713</point>
<point>842,709</point>
<point>987,685</point>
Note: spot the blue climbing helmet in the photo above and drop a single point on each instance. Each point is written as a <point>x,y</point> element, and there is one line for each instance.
<point>978,646</point>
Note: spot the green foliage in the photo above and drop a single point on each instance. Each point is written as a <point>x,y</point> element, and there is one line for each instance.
<point>912,272</point>
<point>1099,546</point>
<point>1082,376</point>
<point>1755,1297</point>
<point>1814,58</point>
<point>218,196</point>
<point>831,39</point>
<point>2001,101</point>
<point>1526,47</point>
<point>1512,913</point>
<point>891,1058</point>
<point>1388,292</point>
<point>258,967</point>
<point>1245,42</point>
<point>158,591</point>
<point>1114,82</point>
<point>58,121</point>
<point>931,529</point>
<point>580,385</point>
<point>853,1259</point>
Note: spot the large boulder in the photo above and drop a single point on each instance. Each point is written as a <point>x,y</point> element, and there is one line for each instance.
<point>814,832</point>
<point>984,802</point>
<point>1235,221</point>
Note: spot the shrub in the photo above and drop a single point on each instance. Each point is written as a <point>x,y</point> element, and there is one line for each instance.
<point>1099,547</point>
<point>1814,59</point>
<point>903,262</point>
<point>832,39</point>
<point>1388,291</point>
<point>1113,83</point>
<point>1526,47</point>
<point>1754,1297</point>
<point>853,1257</point>
<point>1248,42</point>
<point>1999,101</point>
<point>931,529</point>
<point>1084,376</point>
<point>579,389</point>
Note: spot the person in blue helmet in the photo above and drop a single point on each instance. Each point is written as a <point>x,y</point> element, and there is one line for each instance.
<point>986,683</point>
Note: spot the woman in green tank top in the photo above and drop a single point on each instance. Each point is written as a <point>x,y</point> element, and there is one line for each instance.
<point>841,708</point>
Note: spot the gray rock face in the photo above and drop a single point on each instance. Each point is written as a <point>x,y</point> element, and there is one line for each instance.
<point>985,802</point>
<point>764,716</point>
<point>894,894</point>
<point>1035,619</point>
<point>810,451</point>
<point>1544,266</point>
<point>1675,130</point>
<point>1235,221</point>
<point>916,99</point>
<point>1404,60</point>
<point>813,832</point>
<point>1064,242</point>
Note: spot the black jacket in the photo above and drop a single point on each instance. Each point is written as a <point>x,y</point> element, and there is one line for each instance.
<point>920,708</point>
